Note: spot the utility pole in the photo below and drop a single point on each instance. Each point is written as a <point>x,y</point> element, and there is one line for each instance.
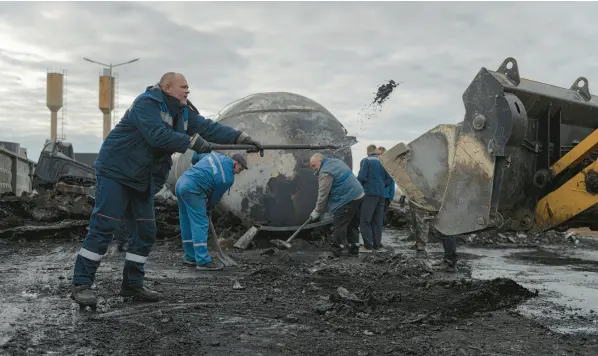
<point>107,102</point>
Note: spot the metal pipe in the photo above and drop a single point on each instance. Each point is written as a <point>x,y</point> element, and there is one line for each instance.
<point>217,147</point>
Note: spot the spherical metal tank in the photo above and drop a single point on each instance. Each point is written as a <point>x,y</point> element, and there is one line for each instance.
<point>279,189</point>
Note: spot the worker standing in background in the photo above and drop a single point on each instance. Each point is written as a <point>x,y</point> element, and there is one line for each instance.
<point>198,191</point>
<point>389,192</point>
<point>420,228</point>
<point>133,161</point>
<point>375,181</point>
<point>340,192</point>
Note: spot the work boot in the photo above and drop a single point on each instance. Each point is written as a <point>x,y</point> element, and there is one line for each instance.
<point>139,292</point>
<point>366,249</point>
<point>188,262</point>
<point>211,266</point>
<point>336,251</point>
<point>84,296</point>
<point>353,251</point>
<point>451,267</point>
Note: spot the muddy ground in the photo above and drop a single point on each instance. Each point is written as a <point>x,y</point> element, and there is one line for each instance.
<point>300,302</point>
<point>514,294</point>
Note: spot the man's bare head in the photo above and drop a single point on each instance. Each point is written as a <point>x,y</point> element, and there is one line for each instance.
<point>371,149</point>
<point>315,162</point>
<point>175,84</point>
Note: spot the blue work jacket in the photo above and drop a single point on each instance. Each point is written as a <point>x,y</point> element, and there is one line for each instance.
<point>137,151</point>
<point>212,174</point>
<point>372,175</point>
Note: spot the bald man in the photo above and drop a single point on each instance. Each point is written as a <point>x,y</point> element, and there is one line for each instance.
<point>132,165</point>
<point>340,193</point>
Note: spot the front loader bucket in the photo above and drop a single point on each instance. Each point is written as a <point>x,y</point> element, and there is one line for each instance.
<point>422,168</point>
<point>490,170</point>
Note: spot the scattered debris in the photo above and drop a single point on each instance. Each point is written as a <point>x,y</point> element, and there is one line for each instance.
<point>237,286</point>
<point>517,238</point>
<point>243,242</point>
<point>345,294</point>
<point>384,92</point>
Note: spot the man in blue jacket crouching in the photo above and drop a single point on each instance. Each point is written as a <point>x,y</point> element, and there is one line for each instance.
<point>198,191</point>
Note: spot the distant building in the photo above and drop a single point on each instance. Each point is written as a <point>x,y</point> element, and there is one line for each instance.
<point>14,147</point>
<point>86,158</point>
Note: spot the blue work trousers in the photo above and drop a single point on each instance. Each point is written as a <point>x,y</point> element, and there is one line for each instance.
<point>113,202</point>
<point>193,217</point>
<point>371,220</point>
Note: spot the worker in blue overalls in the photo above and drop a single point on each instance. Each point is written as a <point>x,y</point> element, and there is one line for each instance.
<point>198,192</point>
<point>134,159</point>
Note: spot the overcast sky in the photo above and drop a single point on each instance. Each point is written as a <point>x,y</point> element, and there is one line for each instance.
<point>334,53</point>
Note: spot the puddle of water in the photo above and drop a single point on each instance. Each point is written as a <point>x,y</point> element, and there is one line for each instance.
<point>568,295</point>
<point>8,317</point>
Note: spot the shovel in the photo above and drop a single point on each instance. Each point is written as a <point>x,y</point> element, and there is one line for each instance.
<point>286,244</point>
<point>213,245</point>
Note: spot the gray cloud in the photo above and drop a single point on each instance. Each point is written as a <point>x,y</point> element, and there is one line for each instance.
<point>335,53</point>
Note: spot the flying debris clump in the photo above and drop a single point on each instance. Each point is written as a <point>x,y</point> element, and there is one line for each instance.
<point>384,92</point>
<point>382,95</point>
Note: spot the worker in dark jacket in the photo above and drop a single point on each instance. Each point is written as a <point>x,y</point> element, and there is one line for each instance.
<point>133,161</point>
<point>389,192</point>
<point>375,181</point>
<point>341,193</point>
<point>198,191</point>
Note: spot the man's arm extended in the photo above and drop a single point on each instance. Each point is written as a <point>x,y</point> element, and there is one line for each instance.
<point>324,185</point>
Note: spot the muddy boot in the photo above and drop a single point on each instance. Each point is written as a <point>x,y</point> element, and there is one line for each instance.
<point>443,264</point>
<point>212,266</point>
<point>366,249</point>
<point>140,293</point>
<point>84,296</point>
<point>336,252</point>
<point>187,262</point>
<point>353,251</point>
<point>451,267</point>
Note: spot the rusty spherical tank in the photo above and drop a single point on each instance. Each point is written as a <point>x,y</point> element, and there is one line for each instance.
<point>279,189</point>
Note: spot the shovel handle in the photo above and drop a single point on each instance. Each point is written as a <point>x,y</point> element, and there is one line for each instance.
<point>299,229</point>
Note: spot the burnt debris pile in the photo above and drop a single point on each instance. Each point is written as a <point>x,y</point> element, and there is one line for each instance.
<point>63,215</point>
<point>408,267</point>
<point>518,238</point>
<point>485,296</point>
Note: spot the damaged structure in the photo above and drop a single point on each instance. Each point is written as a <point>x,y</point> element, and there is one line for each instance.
<point>279,190</point>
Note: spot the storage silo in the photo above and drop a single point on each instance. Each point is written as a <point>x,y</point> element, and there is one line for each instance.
<point>54,95</point>
<point>106,99</point>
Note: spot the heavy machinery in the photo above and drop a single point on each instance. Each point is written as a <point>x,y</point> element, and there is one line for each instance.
<point>523,158</point>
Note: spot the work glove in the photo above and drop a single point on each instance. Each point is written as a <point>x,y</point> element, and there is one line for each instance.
<point>314,215</point>
<point>245,139</point>
<point>199,145</point>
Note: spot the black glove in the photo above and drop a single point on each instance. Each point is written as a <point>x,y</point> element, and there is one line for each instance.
<point>245,139</point>
<point>199,145</point>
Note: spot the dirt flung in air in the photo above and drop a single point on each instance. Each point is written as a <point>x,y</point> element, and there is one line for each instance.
<point>381,96</point>
<point>384,92</point>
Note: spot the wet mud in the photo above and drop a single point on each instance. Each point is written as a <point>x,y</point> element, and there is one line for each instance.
<point>285,302</point>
